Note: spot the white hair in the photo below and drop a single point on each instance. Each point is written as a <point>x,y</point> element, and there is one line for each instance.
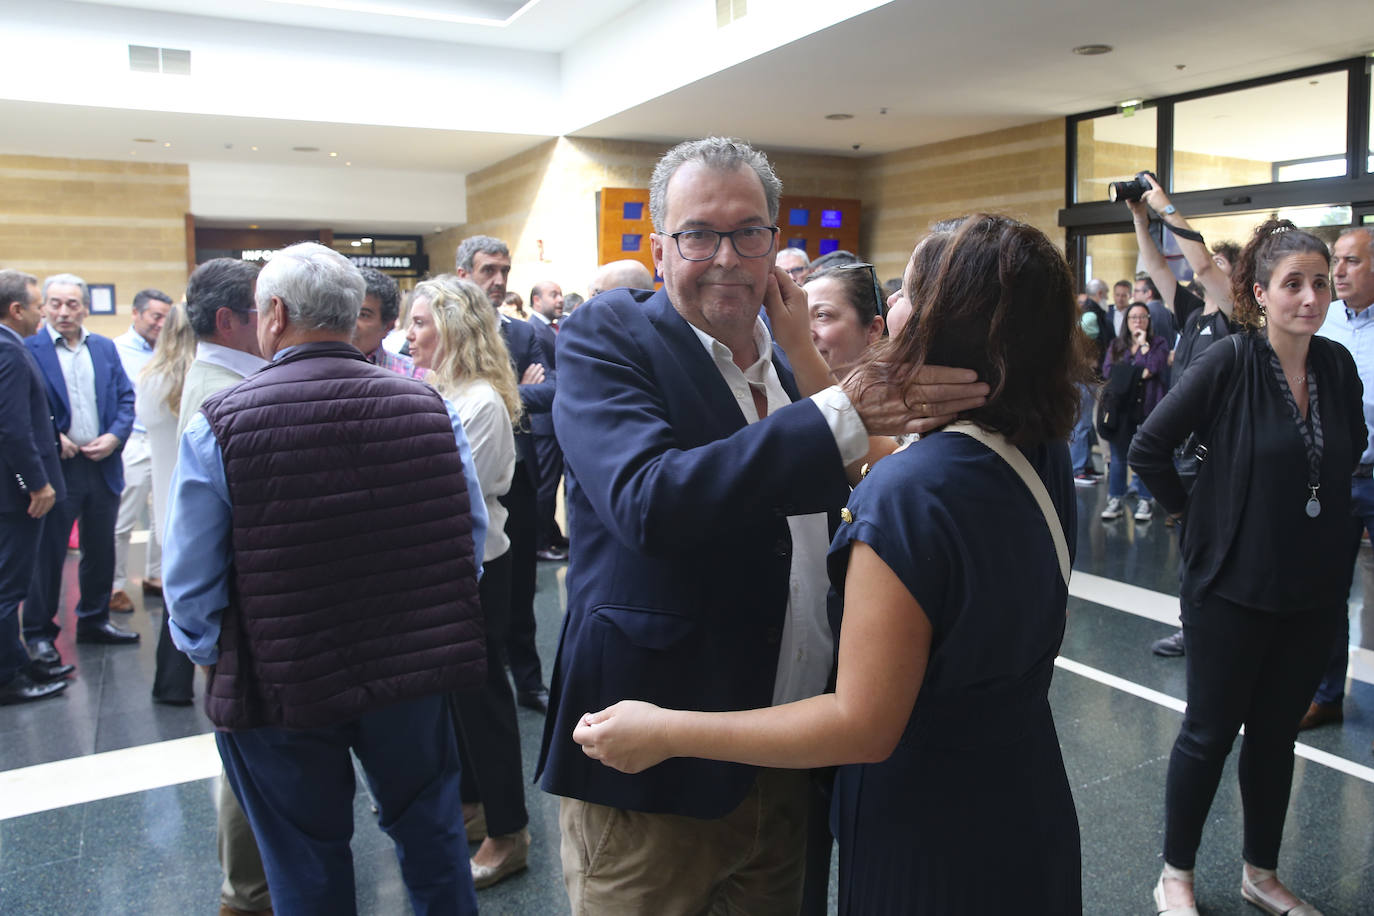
<point>320,288</point>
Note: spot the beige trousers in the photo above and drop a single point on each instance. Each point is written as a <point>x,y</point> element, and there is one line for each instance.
<point>751,862</point>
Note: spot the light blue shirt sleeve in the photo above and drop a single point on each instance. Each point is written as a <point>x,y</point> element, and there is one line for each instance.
<point>197,547</point>
<point>475,501</point>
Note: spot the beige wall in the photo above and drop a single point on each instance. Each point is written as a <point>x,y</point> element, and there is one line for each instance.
<point>548,195</point>
<point>106,221</point>
<point>1018,172</point>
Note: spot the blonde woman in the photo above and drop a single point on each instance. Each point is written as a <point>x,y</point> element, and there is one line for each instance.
<point>455,333</point>
<point>158,403</point>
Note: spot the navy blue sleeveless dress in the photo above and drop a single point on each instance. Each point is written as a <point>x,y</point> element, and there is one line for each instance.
<point>972,814</point>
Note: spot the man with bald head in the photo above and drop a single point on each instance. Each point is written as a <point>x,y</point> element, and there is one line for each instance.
<point>626,274</point>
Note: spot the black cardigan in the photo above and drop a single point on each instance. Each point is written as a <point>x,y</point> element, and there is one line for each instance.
<point>1214,399</point>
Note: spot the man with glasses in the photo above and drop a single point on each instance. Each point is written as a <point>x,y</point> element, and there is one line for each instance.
<point>795,262</point>
<point>698,488</point>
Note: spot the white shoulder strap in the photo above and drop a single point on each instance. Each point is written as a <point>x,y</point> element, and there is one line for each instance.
<point>1012,456</point>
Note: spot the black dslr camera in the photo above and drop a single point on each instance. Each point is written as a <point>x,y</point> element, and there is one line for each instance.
<point>1134,189</point>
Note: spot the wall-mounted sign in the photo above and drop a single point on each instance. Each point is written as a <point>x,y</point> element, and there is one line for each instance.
<point>393,261</point>
<point>258,254</point>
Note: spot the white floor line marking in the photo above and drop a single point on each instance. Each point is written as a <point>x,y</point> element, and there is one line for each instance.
<point>1132,599</point>
<point>1325,758</point>
<point>95,777</point>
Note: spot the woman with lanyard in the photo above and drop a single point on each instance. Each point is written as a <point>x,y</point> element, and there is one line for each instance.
<point>1265,548</point>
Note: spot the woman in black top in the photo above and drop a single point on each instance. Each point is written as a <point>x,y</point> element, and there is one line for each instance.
<point>1268,526</point>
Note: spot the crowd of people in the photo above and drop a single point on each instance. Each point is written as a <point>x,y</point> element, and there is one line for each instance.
<point>348,506</point>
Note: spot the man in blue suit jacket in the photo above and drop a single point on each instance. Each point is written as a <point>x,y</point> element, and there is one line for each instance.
<point>92,404</point>
<point>546,307</point>
<point>30,485</point>
<point>486,261</point>
<point>699,484</point>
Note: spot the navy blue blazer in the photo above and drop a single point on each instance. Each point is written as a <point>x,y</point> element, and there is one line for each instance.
<point>28,439</point>
<point>537,399</point>
<point>541,424</point>
<point>678,584</point>
<point>114,395</point>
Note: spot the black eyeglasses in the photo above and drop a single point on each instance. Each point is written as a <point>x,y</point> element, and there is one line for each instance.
<point>879,300</point>
<point>702,244</point>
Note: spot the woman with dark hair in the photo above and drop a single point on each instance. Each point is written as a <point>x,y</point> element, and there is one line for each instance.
<point>846,313</point>
<point>952,565</point>
<point>1265,548</point>
<point>1134,369</point>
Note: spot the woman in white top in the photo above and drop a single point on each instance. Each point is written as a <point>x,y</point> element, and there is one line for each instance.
<point>455,333</point>
<point>158,403</point>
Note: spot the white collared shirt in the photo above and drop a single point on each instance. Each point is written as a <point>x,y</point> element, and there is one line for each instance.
<point>79,373</point>
<point>236,361</point>
<point>807,649</point>
<point>134,353</point>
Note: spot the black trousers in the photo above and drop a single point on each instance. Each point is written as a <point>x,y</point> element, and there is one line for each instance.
<point>175,673</point>
<point>89,500</point>
<point>19,537</point>
<point>488,735</point>
<point>546,502</point>
<point>520,528</point>
<point>1245,667</point>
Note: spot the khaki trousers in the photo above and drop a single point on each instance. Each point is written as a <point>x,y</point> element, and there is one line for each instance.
<point>245,882</point>
<point>750,862</point>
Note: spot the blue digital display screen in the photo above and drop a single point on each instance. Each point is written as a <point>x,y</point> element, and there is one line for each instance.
<point>829,245</point>
<point>632,209</point>
<point>631,242</point>
<point>832,219</point>
<point>798,216</point>
<point>797,243</point>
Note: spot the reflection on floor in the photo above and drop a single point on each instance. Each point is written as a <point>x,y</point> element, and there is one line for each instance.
<point>125,824</point>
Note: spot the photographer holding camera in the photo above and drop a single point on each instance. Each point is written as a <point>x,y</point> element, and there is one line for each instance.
<point>1202,321</point>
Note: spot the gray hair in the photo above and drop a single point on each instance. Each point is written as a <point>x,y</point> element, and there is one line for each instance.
<point>322,291</point>
<point>1095,288</point>
<point>478,244</point>
<point>14,287</point>
<point>718,153</point>
<point>68,280</point>
<point>796,253</point>
<point>1368,235</point>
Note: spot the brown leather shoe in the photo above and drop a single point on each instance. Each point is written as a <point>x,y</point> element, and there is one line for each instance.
<point>152,586</point>
<point>1321,714</point>
<point>121,603</point>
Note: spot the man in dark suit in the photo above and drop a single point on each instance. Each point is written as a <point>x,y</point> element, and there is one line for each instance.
<point>30,484</point>
<point>92,403</point>
<point>546,307</point>
<point>486,261</point>
<point>699,484</point>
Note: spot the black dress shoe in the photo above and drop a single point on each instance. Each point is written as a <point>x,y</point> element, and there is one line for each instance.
<point>552,554</point>
<point>538,700</point>
<point>22,689</point>
<point>42,672</point>
<point>42,650</point>
<point>174,701</point>
<point>106,633</point>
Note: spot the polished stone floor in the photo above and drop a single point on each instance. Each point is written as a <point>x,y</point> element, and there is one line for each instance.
<point>104,811</point>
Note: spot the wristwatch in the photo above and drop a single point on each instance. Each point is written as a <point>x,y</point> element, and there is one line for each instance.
<point>1168,209</point>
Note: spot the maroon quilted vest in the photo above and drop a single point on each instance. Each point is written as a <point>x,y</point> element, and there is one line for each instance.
<point>354,583</point>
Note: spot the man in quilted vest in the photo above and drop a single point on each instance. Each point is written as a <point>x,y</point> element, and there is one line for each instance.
<point>320,563</point>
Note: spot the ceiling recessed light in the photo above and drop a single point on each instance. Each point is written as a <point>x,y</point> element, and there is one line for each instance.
<point>1092,50</point>
<point>305,149</point>
<point>334,155</point>
<point>144,140</point>
<point>252,225</point>
<point>356,244</point>
<point>167,145</point>
<point>366,240</point>
<point>348,163</point>
<point>253,148</point>
<point>839,116</point>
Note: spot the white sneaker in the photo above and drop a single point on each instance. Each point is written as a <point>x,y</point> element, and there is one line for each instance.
<point>1113,509</point>
<point>1144,510</point>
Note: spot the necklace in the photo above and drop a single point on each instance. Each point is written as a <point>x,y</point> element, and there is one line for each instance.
<point>1298,379</point>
